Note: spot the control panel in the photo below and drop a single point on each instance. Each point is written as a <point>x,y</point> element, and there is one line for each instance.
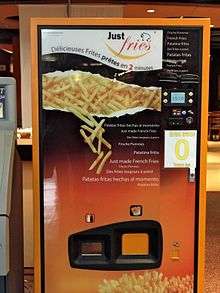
<point>2,102</point>
<point>179,108</point>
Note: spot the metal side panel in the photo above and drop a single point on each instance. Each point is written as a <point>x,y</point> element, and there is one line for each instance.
<point>4,245</point>
<point>7,146</point>
<point>3,282</point>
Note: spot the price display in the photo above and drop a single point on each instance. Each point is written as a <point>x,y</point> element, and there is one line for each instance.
<point>180,149</point>
<point>178,97</point>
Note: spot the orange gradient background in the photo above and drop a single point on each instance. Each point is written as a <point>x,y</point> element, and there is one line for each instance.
<point>67,200</point>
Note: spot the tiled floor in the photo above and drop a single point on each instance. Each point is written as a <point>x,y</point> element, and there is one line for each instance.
<point>28,280</point>
<point>213,167</point>
<point>28,286</point>
<point>212,266</point>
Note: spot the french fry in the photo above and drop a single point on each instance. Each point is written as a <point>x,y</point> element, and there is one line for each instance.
<point>96,161</point>
<point>107,144</point>
<point>81,117</point>
<point>88,141</point>
<point>60,90</point>
<point>101,166</point>
<point>97,129</point>
<point>99,142</point>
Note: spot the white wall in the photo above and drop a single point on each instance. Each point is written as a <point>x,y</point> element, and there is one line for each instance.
<point>26,12</point>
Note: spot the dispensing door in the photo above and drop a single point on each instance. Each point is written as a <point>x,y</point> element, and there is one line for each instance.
<point>7,145</point>
<point>120,111</point>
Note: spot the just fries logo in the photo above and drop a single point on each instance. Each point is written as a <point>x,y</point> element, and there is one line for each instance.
<point>129,48</point>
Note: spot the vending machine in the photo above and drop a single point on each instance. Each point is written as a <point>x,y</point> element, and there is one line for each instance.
<point>120,128</point>
<point>11,232</point>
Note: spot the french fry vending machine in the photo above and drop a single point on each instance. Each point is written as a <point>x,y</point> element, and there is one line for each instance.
<point>120,128</point>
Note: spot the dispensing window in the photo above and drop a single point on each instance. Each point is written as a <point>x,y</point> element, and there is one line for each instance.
<point>135,244</point>
<point>90,248</point>
<point>131,245</point>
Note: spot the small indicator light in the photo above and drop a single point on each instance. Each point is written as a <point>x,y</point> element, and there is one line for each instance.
<point>150,10</point>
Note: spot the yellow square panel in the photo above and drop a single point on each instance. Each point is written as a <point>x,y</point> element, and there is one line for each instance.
<point>135,244</point>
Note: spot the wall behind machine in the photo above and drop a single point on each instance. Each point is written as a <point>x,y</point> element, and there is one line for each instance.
<point>26,12</point>
<point>5,61</point>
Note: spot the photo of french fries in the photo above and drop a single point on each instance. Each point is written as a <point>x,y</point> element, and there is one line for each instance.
<point>95,93</point>
<point>87,95</point>
<point>92,133</point>
<point>149,282</point>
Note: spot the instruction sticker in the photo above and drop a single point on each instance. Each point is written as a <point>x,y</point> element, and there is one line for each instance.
<point>180,149</point>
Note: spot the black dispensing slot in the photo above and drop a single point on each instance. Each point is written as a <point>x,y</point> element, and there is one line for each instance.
<point>92,248</point>
<point>89,249</point>
<point>130,245</point>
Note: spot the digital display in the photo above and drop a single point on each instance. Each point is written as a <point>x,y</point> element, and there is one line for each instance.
<point>2,102</point>
<point>178,97</point>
